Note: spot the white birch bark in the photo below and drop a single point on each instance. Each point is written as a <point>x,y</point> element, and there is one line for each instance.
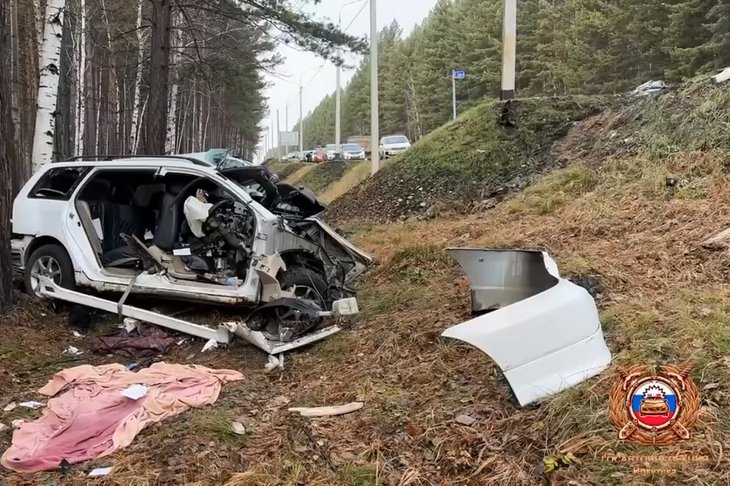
<point>170,137</point>
<point>138,127</point>
<point>50,57</point>
<point>81,84</point>
<point>134,142</point>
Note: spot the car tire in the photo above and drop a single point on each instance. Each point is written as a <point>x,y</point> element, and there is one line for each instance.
<point>307,284</point>
<point>53,260</point>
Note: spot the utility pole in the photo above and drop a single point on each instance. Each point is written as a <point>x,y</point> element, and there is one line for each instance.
<point>286,129</point>
<point>374,122</point>
<point>509,55</point>
<point>278,136</point>
<point>453,91</point>
<point>271,137</point>
<point>301,120</point>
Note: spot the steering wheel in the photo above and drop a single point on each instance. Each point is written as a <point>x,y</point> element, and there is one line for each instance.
<point>217,206</point>
<point>48,190</point>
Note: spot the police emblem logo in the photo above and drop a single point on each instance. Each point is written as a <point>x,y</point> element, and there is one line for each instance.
<point>654,409</point>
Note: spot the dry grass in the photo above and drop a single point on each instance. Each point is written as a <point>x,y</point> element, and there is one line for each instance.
<point>635,221</point>
<point>351,179</point>
<point>297,175</point>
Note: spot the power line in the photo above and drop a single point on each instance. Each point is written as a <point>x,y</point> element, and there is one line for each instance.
<point>365,4</point>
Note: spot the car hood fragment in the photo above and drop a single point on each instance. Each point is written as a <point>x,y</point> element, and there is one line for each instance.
<point>543,331</point>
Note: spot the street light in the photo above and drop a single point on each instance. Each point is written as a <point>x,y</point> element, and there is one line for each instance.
<point>374,122</point>
<point>338,95</point>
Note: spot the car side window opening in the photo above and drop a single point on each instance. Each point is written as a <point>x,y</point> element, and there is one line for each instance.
<point>59,183</point>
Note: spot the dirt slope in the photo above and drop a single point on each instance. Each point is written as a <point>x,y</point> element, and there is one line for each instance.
<point>468,161</point>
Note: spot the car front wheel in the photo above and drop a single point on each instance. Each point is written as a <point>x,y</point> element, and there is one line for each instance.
<point>50,261</point>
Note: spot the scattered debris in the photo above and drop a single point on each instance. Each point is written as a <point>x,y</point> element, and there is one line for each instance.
<point>64,466</point>
<point>10,407</point>
<point>133,365</point>
<point>720,241</point>
<point>238,428</point>
<point>135,392</point>
<point>723,76</point>
<point>135,346</point>
<point>77,334</point>
<point>72,351</point>
<point>3,426</point>
<point>650,87</point>
<point>465,420</point>
<point>130,325</point>
<point>542,330</point>
<point>80,426</point>
<point>100,471</point>
<point>17,423</point>
<point>551,464</point>
<point>33,405</point>
<point>274,363</point>
<point>212,344</point>
<point>327,411</point>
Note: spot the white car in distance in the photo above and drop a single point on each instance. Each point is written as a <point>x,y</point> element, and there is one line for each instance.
<point>393,145</point>
<point>353,151</point>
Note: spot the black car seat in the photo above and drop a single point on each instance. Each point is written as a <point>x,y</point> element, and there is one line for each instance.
<point>170,219</point>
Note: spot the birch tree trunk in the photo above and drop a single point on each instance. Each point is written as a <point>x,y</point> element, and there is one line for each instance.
<point>81,82</point>
<point>134,142</point>
<point>50,54</point>
<point>170,140</point>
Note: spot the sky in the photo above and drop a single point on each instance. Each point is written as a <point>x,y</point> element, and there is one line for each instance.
<point>283,91</point>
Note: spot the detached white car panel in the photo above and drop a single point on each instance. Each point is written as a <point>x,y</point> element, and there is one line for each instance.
<point>543,331</point>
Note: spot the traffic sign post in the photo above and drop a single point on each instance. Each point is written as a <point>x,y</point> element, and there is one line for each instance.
<point>455,74</point>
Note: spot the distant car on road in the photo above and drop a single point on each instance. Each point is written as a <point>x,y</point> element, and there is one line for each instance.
<point>320,155</point>
<point>393,145</point>
<point>333,151</point>
<point>353,151</point>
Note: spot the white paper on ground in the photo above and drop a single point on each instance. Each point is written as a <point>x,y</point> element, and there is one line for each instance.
<point>135,392</point>
<point>10,407</point>
<point>32,405</point>
<point>212,344</point>
<point>72,351</point>
<point>100,471</point>
<point>182,252</point>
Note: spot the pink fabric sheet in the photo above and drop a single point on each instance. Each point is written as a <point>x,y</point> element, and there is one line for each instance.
<point>90,418</point>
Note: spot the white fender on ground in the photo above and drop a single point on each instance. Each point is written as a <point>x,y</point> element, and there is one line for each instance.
<point>543,331</point>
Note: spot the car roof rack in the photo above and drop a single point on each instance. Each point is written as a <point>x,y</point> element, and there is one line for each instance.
<point>109,158</point>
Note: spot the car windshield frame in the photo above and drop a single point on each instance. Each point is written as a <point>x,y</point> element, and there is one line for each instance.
<point>395,139</point>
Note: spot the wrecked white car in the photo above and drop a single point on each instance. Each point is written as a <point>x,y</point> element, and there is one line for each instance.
<point>542,330</point>
<point>179,228</point>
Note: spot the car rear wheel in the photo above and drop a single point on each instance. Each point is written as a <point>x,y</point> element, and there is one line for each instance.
<point>50,261</point>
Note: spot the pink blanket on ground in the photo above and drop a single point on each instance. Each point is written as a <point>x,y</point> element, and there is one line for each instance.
<point>92,419</point>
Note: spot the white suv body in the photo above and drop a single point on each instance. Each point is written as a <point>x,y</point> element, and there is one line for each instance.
<point>56,234</point>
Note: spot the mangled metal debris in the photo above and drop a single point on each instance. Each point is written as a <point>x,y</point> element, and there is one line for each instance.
<point>650,87</point>
<point>722,76</point>
<point>542,330</point>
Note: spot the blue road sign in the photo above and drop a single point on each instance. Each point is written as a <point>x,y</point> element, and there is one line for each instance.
<point>458,74</point>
